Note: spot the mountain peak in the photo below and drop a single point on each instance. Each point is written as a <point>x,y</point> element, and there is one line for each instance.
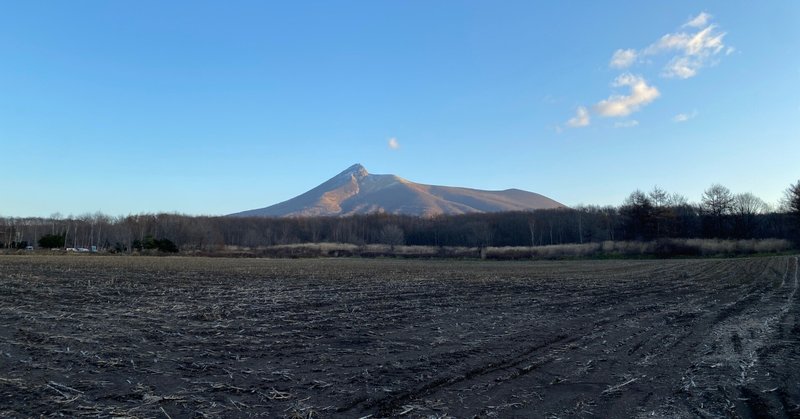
<point>355,191</point>
<point>357,169</point>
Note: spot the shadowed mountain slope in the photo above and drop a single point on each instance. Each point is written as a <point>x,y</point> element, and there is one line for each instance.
<point>356,191</point>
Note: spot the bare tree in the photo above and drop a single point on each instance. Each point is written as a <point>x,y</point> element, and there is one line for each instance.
<point>661,211</point>
<point>747,204</point>
<point>532,229</point>
<point>745,208</point>
<point>54,217</point>
<point>659,197</point>
<point>392,235</point>
<point>717,204</point>
<point>717,200</point>
<point>102,221</point>
<point>677,200</point>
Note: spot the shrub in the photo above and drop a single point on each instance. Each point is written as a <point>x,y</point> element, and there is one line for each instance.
<point>52,241</point>
<point>150,243</point>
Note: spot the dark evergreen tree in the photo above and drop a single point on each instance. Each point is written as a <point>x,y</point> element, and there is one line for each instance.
<point>52,241</point>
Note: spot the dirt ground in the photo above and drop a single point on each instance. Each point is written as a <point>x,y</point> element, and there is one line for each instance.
<point>195,337</point>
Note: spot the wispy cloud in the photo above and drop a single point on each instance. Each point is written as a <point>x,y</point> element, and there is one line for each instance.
<point>683,117</point>
<point>688,50</point>
<point>626,124</point>
<point>393,144</point>
<point>698,21</point>
<point>623,105</point>
<point>693,51</point>
<point>581,118</point>
<point>623,58</point>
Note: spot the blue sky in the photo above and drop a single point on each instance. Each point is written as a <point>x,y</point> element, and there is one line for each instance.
<point>216,107</point>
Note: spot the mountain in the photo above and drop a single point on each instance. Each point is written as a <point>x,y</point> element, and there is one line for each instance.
<point>356,191</point>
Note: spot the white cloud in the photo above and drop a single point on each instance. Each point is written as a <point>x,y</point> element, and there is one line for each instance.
<point>707,41</point>
<point>626,124</point>
<point>581,118</point>
<point>697,44</point>
<point>681,67</point>
<point>694,50</point>
<point>667,42</point>
<point>623,58</point>
<point>683,117</point>
<point>621,105</point>
<point>393,144</point>
<point>698,21</point>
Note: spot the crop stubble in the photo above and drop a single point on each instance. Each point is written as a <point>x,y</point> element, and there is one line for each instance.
<point>194,337</point>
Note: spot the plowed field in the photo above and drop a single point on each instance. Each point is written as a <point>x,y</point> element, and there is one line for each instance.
<point>194,337</point>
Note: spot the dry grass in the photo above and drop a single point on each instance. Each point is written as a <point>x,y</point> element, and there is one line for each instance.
<point>607,249</point>
<point>661,248</point>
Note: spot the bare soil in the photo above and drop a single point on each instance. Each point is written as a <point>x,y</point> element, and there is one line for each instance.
<point>196,337</point>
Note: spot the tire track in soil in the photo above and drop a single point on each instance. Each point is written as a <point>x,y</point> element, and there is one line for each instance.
<point>578,395</point>
<point>685,329</point>
<point>500,374</point>
<point>389,406</point>
<point>688,326</point>
<point>742,372</point>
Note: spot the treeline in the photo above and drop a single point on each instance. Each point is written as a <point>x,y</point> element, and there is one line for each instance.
<point>643,216</point>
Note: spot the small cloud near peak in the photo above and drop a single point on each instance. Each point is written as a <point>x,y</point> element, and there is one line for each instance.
<point>393,144</point>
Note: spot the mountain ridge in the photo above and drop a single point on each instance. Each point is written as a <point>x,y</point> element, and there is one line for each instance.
<point>356,191</point>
